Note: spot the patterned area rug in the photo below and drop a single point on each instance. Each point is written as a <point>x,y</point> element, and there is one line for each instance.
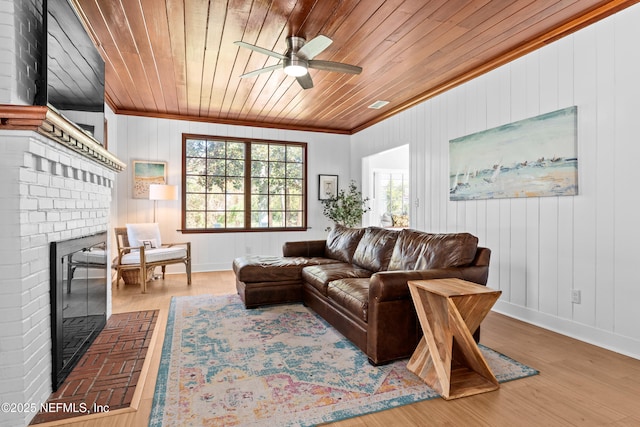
<point>280,365</point>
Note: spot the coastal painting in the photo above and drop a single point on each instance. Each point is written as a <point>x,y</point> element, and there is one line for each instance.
<point>534,157</point>
<point>147,173</point>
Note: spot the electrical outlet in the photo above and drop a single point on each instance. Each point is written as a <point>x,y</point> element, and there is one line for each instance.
<point>575,296</point>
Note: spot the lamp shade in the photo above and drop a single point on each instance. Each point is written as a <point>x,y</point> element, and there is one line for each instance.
<point>163,192</point>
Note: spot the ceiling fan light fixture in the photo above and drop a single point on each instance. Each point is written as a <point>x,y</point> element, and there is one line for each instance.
<point>295,67</point>
<point>295,70</point>
<point>298,58</point>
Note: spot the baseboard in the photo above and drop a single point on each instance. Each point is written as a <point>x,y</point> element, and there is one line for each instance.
<point>598,337</point>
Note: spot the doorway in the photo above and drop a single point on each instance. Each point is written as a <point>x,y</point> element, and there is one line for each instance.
<point>385,181</point>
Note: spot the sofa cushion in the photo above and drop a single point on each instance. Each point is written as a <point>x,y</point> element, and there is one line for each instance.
<point>375,249</point>
<point>352,295</point>
<point>342,242</point>
<point>265,268</point>
<point>319,276</point>
<point>416,250</point>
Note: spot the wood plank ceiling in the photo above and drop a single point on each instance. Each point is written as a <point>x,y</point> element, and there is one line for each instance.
<point>177,59</point>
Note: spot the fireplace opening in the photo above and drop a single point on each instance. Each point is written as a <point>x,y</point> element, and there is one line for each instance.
<point>78,299</point>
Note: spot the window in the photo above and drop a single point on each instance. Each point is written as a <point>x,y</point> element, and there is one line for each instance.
<point>232,184</point>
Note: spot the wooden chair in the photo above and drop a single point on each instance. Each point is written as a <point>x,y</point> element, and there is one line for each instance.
<point>144,256</point>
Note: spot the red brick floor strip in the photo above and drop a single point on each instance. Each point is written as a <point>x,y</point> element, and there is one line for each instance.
<point>106,376</point>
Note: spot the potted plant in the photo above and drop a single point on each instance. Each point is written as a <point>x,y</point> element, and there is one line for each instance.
<point>347,207</point>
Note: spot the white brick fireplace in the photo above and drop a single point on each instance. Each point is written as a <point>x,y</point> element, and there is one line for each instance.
<point>49,193</point>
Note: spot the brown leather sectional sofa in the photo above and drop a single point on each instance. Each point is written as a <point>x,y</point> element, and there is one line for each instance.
<point>357,281</point>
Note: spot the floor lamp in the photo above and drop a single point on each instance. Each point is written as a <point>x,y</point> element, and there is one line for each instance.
<point>162,192</point>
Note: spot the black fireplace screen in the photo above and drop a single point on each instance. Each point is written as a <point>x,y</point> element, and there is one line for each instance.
<point>78,299</point>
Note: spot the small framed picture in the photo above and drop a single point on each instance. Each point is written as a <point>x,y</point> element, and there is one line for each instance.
<point>327,186</point>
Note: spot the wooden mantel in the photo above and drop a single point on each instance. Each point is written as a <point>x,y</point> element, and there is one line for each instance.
<point>51,124</point>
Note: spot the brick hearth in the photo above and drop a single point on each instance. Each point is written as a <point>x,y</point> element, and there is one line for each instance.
<point>107,375</point>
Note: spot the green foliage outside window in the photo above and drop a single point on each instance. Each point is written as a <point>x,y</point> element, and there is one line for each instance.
<point>395,192</point>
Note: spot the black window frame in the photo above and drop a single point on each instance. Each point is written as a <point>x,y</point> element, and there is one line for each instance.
<point>247,192</point>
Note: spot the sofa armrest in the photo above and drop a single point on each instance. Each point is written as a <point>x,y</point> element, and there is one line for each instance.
<point>393,327</point>
<point>483,256</point>
<point>392,285</point>
<point>391,332</point>
<point>305,248</point>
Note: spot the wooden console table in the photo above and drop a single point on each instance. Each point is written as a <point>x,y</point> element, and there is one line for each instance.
<point>447,358</point>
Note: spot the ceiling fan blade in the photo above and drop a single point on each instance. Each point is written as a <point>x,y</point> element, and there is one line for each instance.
<point>261,70</point>
<point>260,49</point>
<point>314,47</point>
<point>305,81</point>
<point>335,66</point>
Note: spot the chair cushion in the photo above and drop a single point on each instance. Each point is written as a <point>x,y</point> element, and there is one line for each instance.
<point>144,234</point>
<point>156,255</point>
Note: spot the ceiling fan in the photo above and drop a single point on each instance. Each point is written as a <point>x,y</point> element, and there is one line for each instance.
<point>299,58</point>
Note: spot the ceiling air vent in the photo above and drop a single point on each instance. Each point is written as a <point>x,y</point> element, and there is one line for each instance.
<point>378,105</point>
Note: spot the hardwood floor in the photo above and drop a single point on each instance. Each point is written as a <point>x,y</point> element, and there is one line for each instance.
<point>579,384</point>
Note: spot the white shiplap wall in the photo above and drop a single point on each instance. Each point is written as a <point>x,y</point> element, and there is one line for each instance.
<point>140,138</point>
<point>542,248</point>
